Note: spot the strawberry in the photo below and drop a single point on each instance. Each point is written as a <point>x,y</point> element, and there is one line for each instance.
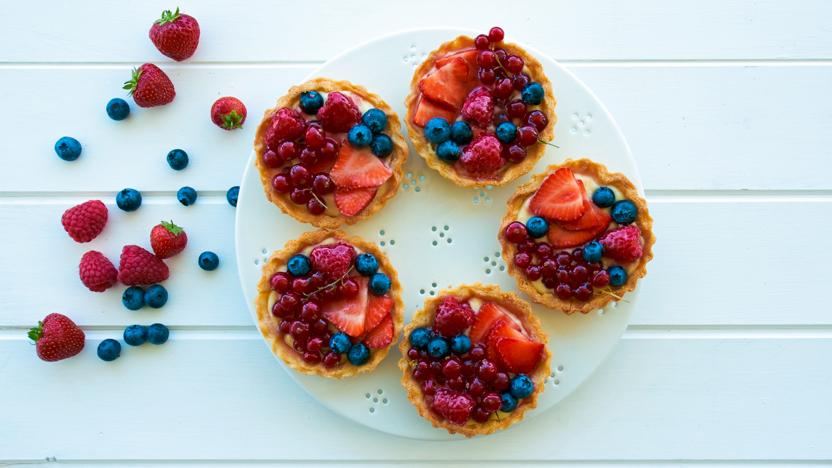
<point>468,56</point>
<point>485,319</point>
<point>150,87</point>
<point>175,35</point>
<point>358,168</point>
<point>519,356</point>
<point>139,267</point>
<point>561,238</point>
<point>452,405</point>
<point>85,222</point>
<point>560,197</point>
<point>427,109</point>
<point>452,317</point>
<point>339,113</point>
<point>448,85</point>
<point>332,260</point>
<point>97,271</point>
<point>502,329</point>
<point>228,113</point>
<point>479,107</point>
<point>382,335</point>
<point>483,156</point>
<point>623,244</point>
<point>352,202</point>
<point>378,308</point>
<point>593,218</point>
<point>167,239</point>
<point>57,337</point>
<point>286,125</point>
<point>348,315</point>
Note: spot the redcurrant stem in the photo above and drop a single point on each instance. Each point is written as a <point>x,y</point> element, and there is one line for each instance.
<point>312,192</point>
<point>327,286</point>
<point>548,143</point>
<point>610,293</point>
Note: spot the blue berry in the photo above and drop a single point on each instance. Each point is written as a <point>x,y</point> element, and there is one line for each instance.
<point>506,132</point>
<point>379,284</point>
<point>299,265</point>
<point>359,354</point>
<point>375,119</point>
<point>461,133</point>
<point>618,275</point>
<point>593,252</point>
<point>437,130</point>
<point>537,226</point>
<point>157,334</point>
<point>186,196</point>
<point>420,337</point>
<point>232,194</point>
<point>177,159</point>
<point>381,145</point>
<point>509,403</point>
<point>156,296</point>
<point>133,298</point>
<point>109,350</point>
<point>129,199</point>
<point>135,335</point>
<point>68,148</point>
<point>366,264</point>
<point>438,347</point>
<point>603,197</point>
<point>532,94</point>
<point>460,344</point>
<point>311,101</point>
<point>624,212</point>
<point>340,343</point>
<point>208,261</point>
<point>118,109</point>
<point>521,386</point>
<point>448,151</point>
<point>360,136</point>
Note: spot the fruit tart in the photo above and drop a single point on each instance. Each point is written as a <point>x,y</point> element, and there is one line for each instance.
<point>330,153</point>
<point>329,304</point>
<point>474,360</point>
<point>577,237</point>
<point>480,111</point>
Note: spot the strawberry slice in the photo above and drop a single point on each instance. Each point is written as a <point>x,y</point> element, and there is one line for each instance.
<point>448,85</point>
<point>593,218</point>
<point>348,315</point>
<point>382,335</point>
<point>560,197</point>
<point>485,319</point>
<point>351,202</point>
<point>519,356</point>
<point>358,168</point>
<point>501,330</point>
<point>562,238</point>
<point>378,308</point>
<point>427,109</point>
<point>469,56</point>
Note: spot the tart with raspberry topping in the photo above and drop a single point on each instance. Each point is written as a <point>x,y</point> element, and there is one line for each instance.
<point>329,304</point>
<point>474,360</point>
<point>330,153</point>
<point>577,237</point>
<point>480,110</point>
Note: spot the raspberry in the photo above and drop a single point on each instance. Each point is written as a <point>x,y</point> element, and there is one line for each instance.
<point>97,272</point>
<point>139,267</point>
<point>85,222</point>
<point>482,156</point>
<point>478,107</point>
<point>332,260</point>
<point>454,406</point>
<point>452,317</point>
<point>339,113</point>
<point>287,124</point>
<point>623,244</point>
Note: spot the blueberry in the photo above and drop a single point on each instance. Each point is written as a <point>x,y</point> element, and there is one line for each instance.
<point>618,275</point>
<point>366,264</point>
<point>129,199</point>
<point>437,130</point>
<point>358,354</point>
<point>109,350</point>
<point>118,109</point>
<point>537,226</point>
<point>532,94</point>
<point>68,148</point>
<point>624,212</point>
<point>340,343</point>
<point>460,344</point>
<point>438,347</point>
<point>448,151</point>
<point>593,252</point>
<point>156,296</point>
<point>379,284</point>
<point>506,132</point>
<point>461,133</point>
<point>232,194</point>
<point>360,136</point>
<point>208,261</point>
<point>381,145</point>
<point>299,265</point>
<point>603,197</point>
<point>177,159</point>
<point>186,196</point>
<point>509,403</point>
<point>157,334</point>
<point>420,337</point>
<point>135,335</point>
<point>133,298</point>
<point>376,119</point>
<point>311,101</point>
<point>521,386</point>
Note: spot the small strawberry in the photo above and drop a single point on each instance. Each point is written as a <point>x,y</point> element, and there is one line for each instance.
<point>348,315</point>
<point>85,222</point>
<point>339,113</point>
<point>167,239</point>
<point>382,335</point>
<point>332,260</point>
<point>228,113</point>
<point>479,106</point>
<point>378,308</point>
<point>138,267</point>
<point>352,202</point>
<point>150,87</point>
<point>483,156</point>
<point>448,85</point>
<point>560,197</point>
<point>484,321</point>
<point>286,125</point>
<point>502,329</point>
<point>452,317</point>
<point>427,109</point>
<point>358,168</point>
<point>454,406</point>
<point>57,337</point>
<point>97,271</point>
<point>623,244</point>
<point>176,35</point>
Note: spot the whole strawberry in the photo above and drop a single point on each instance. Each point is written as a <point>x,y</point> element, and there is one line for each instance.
<point>176,35</point>
<point>150,87</point>
<point>57,337</point>
<point>167,239</point>
<point>228,113</point>
<point>85,222</point>
<point>97,271</point>
<point>138,267</point>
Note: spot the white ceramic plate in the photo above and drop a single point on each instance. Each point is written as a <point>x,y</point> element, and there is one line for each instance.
<point>439,235</point>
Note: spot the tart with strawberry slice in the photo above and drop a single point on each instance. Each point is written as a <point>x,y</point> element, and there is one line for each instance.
<point>330,153</point>
<point>480,110</point>
<point>474,360</point>
<point>577,236</point>
<point>329,304</point>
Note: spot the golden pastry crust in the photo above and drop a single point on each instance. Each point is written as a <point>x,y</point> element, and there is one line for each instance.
<point>424,318</point>
<point>396,159</point>
<point>602,176</point>
<point>512,171</point>
<point>268,324</point>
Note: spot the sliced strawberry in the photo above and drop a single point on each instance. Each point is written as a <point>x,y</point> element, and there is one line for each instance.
<point>348,315</point>
<point>469,56</point>
<point>427,110</point>
<point>382,335</point>
<point>593,218</point>
<point>378,308</point>
<point>519,356</point>
<point>358,168</point>
<point>351,202</point>
<point>448,85</point>
<point>485,319</point>
<point>560,197</point>
<point>561,238</point>
<point>501,330</point>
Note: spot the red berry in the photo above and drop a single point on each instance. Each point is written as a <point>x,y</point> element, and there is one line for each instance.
<point>331,360</point>
<point>537,119</point>
<point>454,406</point>
<point>533,272</point>
<point>563,275</point>
<point>583,292</point>
<point>601,279</point>
<point>300,176</point>
<point>491,402</point>
<point>315,207</point>
<point>516,232</point>
<point>333,260</point>
<point>486,76</point>
<point>476,387</point>
<point>330,148</point>
<point>308,157</point>
<point>482,156</point>
<point>57,337</point>
<point>516,108</point>
<point>300,286</point>
<point>527,135</point>
<point>322,184</point>
<point>287,151</point>
<point>290,302</point>
<point>452,317</point>
<point>228,113</point>
<point>314,345</point>
<point>271,159</point>
<point>503,88</point>
<point>478,107</point>
<point>286,124</point>
<point>623,244</point>
<point>139,267</point>
<point>429,387</point>
<point>280,281</point>
<point>175,35</point>
<point>412,353</point>
<point>563,258</point>
<point>515,153</point>
<point>514,64</point>
<point>480,415</point>
<point>486,59</point>
<point>496,34</point>
<point>314,137</point>
<point>339,113</point>
<point>97,272</point>
<point>281,183</point>
<point>520,81</point>
<point>348,288</point>
<point>85,222</point>
<point>579,274</point>
<point>500,382</point>
<point>501,56</point>
<point>543,250</point>
<point>477,352</point>
<point>487,371</point>
<point>312,358</point>
<point>563,291</point>
<point>299,330</point>
<point>548,268</point>
<point>481,42</point>
<point>522,259</point>
<point>167,239</point>
<point>451,369</point>
<point>284,326</point>
<point>150,86</point>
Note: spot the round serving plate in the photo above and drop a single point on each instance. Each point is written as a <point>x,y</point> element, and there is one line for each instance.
<point>438,235</point>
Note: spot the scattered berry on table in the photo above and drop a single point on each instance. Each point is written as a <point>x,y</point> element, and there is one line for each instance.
<point>381,145</point>
<point>129,199</point>
<point>311,101</point>
<point>379,284</point>
<point>68,148</point>
<point>437,130</point>
<point>623,244</point>
<point>139,267</point>
<point>508,403</point>
<point>228,113</point>
<point>521,386</point>
<point>232,194</point>
<point>156,296</point>
<point>420,337</point>
<point>167,239</point>
<point>532,94</point>
<point>360,135</point>
<point>57,337</point>
<point>593,252</point>
<point>133,298</point>
<point>618,275</point>
<point>603,197</point>
<point>366,264</point>
<point>624,212</point>
<point>177,159</point>
<point>340,343</point>
<point>358,354</point>
<point>537,226</point>
<point>186,196</point>
<point>150,86</point>
<point>135,335</point>
<point>438,347</point>
<point>118,109</point>
<point>85,222</point>
<point>157,334</point>
<point>208,261</point>
<point>460,344</point>
<point>506,132</point>
<point>375,119</point>
<point>97,272</point>
<point>448,151</point>
<point>339,113</point>
<point>175,35</point>
<point>109,350</point>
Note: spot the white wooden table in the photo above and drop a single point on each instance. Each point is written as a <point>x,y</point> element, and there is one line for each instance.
<point>727,107</point>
